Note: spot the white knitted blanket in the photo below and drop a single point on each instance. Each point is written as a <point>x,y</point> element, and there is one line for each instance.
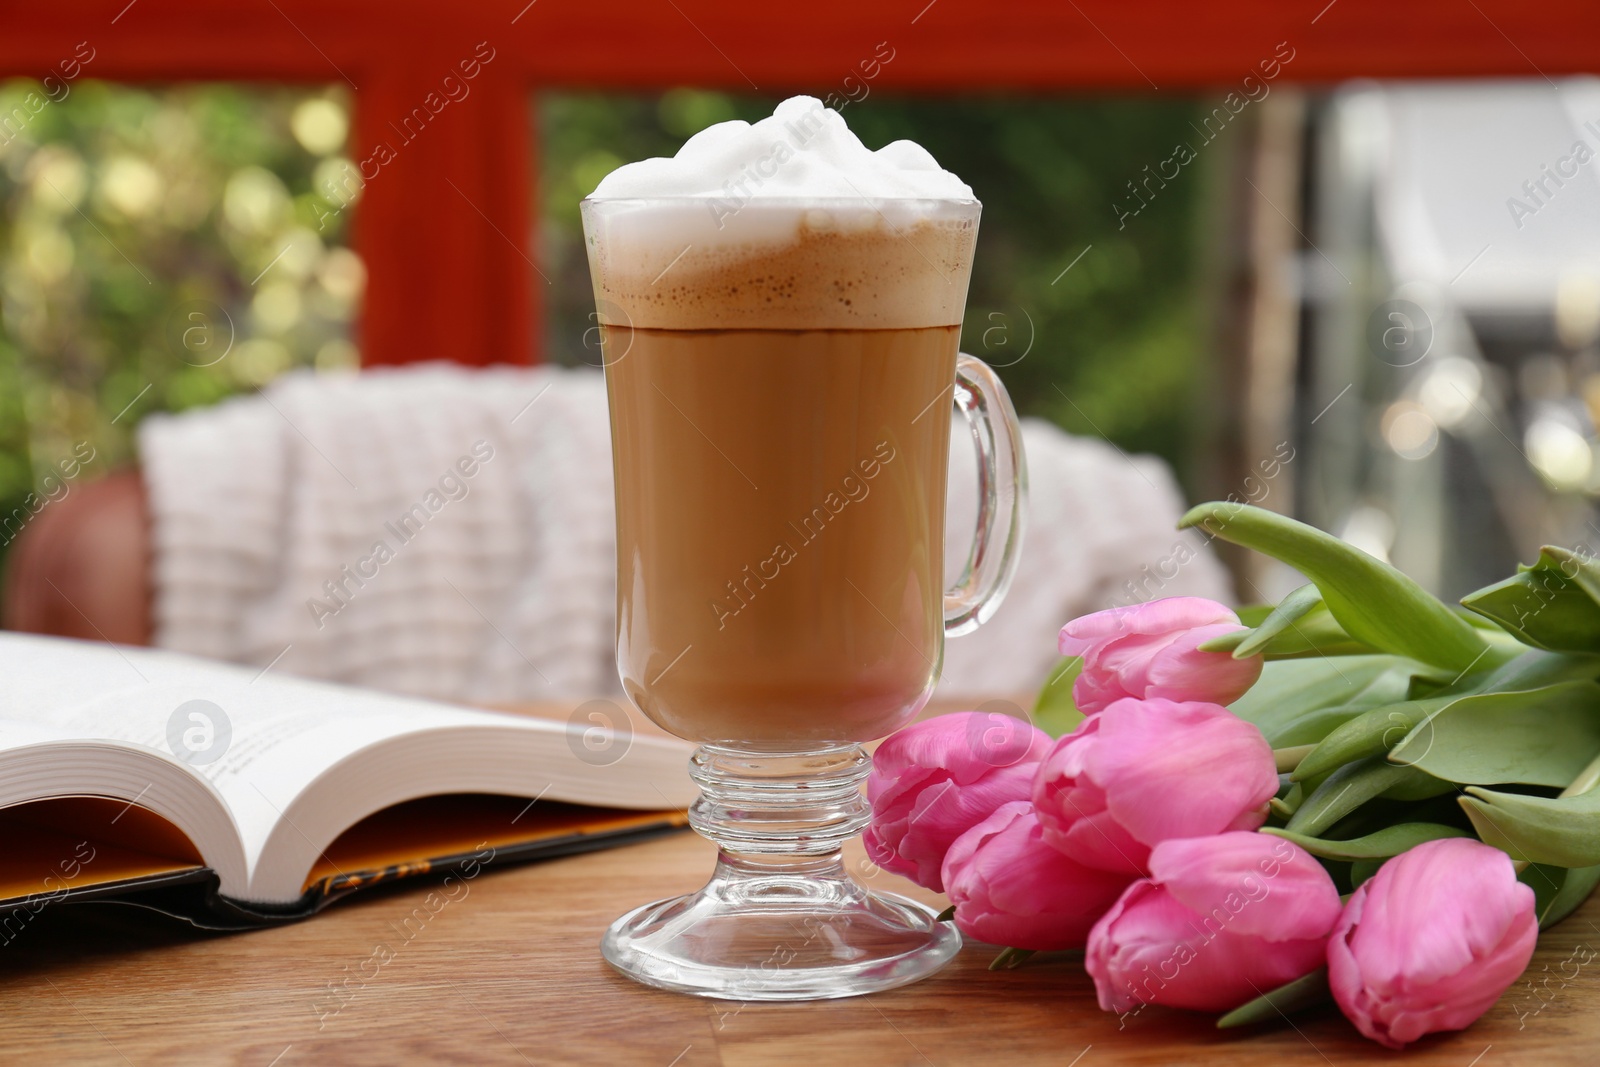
<point>448,532</point>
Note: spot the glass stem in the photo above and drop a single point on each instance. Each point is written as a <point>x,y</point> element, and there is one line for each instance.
<point>779,809</point>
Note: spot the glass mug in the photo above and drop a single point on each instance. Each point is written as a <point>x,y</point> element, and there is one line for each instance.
<point>781,456</point>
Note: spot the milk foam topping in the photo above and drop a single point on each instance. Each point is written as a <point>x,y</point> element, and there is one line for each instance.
<point>802,149</point>
<point>787,223</point>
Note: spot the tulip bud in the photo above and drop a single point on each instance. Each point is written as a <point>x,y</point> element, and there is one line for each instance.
<point>936,779</point>
<point>1144,771</point>
<point>1219,920</point>
<point>1431,941</point>
<point>1151,650</point>
<point>1010,888</point>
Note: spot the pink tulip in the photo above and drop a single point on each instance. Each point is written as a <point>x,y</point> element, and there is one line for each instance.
<point>1431,941</point>
<point>1219,921</point>
<point>1144,771</point>
<point>1150,650</point>
<point>1010,888</point>
<point>936,779</point>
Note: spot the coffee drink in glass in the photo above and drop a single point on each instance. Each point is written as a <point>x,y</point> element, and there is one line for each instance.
<point>781,312</point>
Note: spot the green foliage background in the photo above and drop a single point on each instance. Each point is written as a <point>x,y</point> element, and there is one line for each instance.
<point>125,213</point>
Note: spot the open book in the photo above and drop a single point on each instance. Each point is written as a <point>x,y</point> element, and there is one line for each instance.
<point>234,797</point>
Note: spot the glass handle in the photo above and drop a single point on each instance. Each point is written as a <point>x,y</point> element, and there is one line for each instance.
<point>1002,498</point>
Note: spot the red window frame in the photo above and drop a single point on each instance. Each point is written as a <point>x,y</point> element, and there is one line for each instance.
<point>446,227</point>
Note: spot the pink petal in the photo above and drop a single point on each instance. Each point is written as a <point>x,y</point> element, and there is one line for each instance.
<point>1181,770</point>
<point>1152,949</point>
<point>1180,671</point>
<point>1154,617</point>
<point>1009,889</point>
<point>1265,886</point>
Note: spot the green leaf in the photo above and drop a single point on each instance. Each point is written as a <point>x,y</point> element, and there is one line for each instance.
<point>1540,737</point>
<point>1385,726</point>
<point>1580,567</point>
<point>1303,992</point>
<point>1290,610</point>
<point>1557,891</point>
<point>1253,615</point>
<point>1560,831</point>
<point>946,915</point>
<point>1290,802</point>
<point>1534,669</point>
<point>1317,633</point>
<point>1375,603</point>
<point>1544,605</point>
<point>1346,790</point>
<point>1390,841</point>
<point>1225,643</point>
<point>1311,727</point>
<point>1367,734</point>
<point>1010,959</point>
<point>1287,759</point>
<point>1053,711</point>
<point>1295,702</point>
<point>1300,626</point>
<point>1422,787</point>
<point>1361,870</point>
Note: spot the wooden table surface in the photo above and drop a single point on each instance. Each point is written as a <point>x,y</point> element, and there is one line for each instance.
<point>511,974</point>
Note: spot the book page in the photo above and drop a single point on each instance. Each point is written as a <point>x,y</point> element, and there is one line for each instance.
<point>256,737</point>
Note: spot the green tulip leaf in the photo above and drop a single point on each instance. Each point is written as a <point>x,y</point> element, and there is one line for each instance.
<point>1305,992</point>
<point>1539,737</point>
<point>1361,870</point>
<point>1422,787</point>
<point>1384,727</point>
<point>1290,610</point>
<point>1253,615</point>
<point>1390,841</point>
<point>1300,626</point>
<point>1054,711</point>
<point>1579,567</point>
<point>1317,633</point>
<point>1225,643</point>
<point>1375,603</point>
<point>1312,726</point>
<point>1289,700</point>
<point>1367,734</point>
<point>1560,831</point>
<point>1557,891</point>
<point>1282,807</point>
<point>1345,790</point>
<point>1544,605</point>
<point>1534,669</point>
<point>1009,959</point>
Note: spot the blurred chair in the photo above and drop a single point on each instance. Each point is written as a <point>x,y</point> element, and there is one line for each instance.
<point>449,533</point>
<point>80,567</point>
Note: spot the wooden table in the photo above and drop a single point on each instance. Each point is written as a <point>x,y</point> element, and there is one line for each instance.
<point>511,974</point>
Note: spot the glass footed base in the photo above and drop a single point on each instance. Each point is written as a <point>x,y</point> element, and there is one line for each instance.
<point>780,918</point>
<point>807,932</point>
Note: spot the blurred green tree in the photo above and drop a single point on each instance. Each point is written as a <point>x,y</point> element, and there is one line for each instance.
<point>158,250</point>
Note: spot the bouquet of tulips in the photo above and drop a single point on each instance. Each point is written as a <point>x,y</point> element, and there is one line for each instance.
<point>1360,792</point>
